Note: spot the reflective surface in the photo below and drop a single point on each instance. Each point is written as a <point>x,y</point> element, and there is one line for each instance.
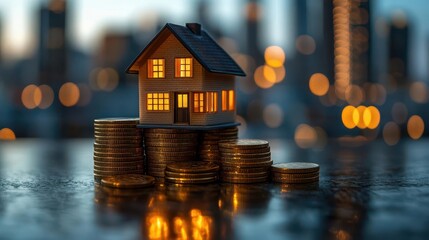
<point>371,191</point>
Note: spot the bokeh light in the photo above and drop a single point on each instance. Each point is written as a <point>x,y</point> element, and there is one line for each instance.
<point>354,95</point>
<point>318,84</point>
<point>7,134</point>
<point>273,115</point>
<point>31,96</point>
<point>47,96</point>
<point>363,119</point>
<point>69,94</point>
<point>391,133</point>
<point>260,79</point>
<point>274,56</point>
<point>305,136</point>
<point>305,44</point>
<point>350,117</point>
<point>374,117</point>
<point>419,92</point>
<point>415,127</point>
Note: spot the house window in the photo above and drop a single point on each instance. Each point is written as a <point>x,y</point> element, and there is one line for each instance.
<point>158,102</point>
<point>183,67</point>
<point>211,99</point>
<point>198,102</point>
<point>156,68</point>
<point>228,100</point>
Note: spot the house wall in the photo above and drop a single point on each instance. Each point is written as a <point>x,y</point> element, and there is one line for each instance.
<point>201,81</point>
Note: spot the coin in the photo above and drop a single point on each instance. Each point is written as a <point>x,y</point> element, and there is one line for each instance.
<point>244,160</point>
<point>112,173</point>
<point>102,149</point>
<point>116,146</point>
<point>116,120</point>
<point>118,159</point>
<point>192,167</point>
<point>128,181</point>
<point>295,175</point>
<point>244,180</point>
<point>173,154</point>
<point>300,180</point>
<point>295,167</point>
<point>192,180</point>
<point>238,169</point>
<point>246,155</point>
<point>119,169</point>
<point>244,144</point>
<point>167,130</point>
<point>120,154</point>
<point>117,164</point>
<point>111,142</point>
<point>190,175</point>
<point>245,175</point>
<point>156,136</point>
<point>171,145</point>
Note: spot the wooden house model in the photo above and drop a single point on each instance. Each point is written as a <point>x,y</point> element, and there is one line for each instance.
<point>185,80</point>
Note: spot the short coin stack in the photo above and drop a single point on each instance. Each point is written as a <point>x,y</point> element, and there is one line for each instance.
<point>209,146</point>
<point>118,147</point>
<point>245,161</point>
<point>165,146</point>
<point>295,172</point>
<point>196,172</point>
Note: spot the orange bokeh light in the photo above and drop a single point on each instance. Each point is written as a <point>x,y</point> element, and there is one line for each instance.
<point>274,56</point>
<point>318,84</point>
<point>7,134</point>
<point>69,94</point>
<point>415,127</point>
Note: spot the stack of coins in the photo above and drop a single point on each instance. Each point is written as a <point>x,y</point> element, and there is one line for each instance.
<point>209,142</point>
<point>165,146</point>
<point>118,147</point>
<point>295,172</point>
<point>245,161</point>
<point>195,172</point>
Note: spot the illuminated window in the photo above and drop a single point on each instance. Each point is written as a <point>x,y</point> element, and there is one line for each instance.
<point>211,99</point>
<point>183,67</point>
<point>182,100</point>
<point>198,102</point>
<point>228,100</point>
<point>155,68</point>
<point>158,102</point>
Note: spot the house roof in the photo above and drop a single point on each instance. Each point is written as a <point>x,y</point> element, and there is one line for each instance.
<point>208,53</point>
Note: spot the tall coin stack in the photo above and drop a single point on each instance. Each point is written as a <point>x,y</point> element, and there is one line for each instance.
<point>165,146</point>
<point>209,146</point>
<point>245,161</point>
<point>118,147</point>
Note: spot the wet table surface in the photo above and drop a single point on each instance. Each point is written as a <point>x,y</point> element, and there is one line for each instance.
<point>371,191</point>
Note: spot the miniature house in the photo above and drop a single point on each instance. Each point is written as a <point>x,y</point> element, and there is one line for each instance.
<point>185,79</point>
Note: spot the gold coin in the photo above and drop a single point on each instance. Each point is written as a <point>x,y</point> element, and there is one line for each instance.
<point>190,175</point>
<point>100,134</point>
<point>245,155</point>
<point>245,144</point>
<point>238,169</point>
<point>153,141</point>
<point>121,154</point>
<point>117,128</point>
<point>300,180</point>
<point>244,180</point>
<point>118,164</point>
<point>118,159</point>
<point>295,167</point>
<point>244,160</point>
<point>117,146</point>
<point>191,180</point>
<point>117,120</point>
<point>148,135</point>
<point>118,169</point>
<point>167,130</point>
<point>171,145</point>
<point>170,154</point>
<point>244,151</point>
<point>111,173</point>
<point>248,165</point>
<point>192,167</point>
<point>128,181</point>
<point>116,137</point>
<point>114,142</point>
<point>245,175</point>
<point>295,175</point>
<point>106,149</point>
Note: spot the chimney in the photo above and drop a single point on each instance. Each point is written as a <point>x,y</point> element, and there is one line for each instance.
<point>195,28</point>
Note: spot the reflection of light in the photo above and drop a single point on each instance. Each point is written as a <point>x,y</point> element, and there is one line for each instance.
<point>354,95</point>
<point>201,225</point>
<point>47,96</point>
<point>419,92</point>
<point>318,84</point>
<point>305,44</point>
<point>180,228</point>
<point>415,127</point>
<point>273,115</point>
<point>305,136</point>
<point>391,133</point>
<point>235,202</point>
<point>350,117</point>
<point>7,134</point>
<point>157,226</point>
<point>242,128</point>
<point>31,96</point>
<point>274,56</point>
<point>69,94</point>
<point>260,79</point>
<point>399,112</point>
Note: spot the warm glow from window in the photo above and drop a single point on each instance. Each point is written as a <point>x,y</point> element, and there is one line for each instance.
<point>228,100</point>
<point>158,102</point>
<point>157,227</point>
<point>69,94</point>
<point>415,127</point>
<point>183,67</point>
<point>318,84</point>
<point>274,56</point>
<point>182,100</point>
<point>211,101</point>
<point>7,134</point>
<point>156,68</point>
<point>199,102</point>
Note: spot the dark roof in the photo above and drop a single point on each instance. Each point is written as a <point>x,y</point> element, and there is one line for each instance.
<point>208,53</point>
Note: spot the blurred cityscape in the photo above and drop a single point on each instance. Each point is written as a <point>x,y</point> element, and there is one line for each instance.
<point>354,70</point>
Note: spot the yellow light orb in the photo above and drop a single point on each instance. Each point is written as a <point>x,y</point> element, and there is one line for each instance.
<point>415,127</point>
<point>350,117</point>
<point>319,84</point>
<point>69,94</point>
<point>274,56</point>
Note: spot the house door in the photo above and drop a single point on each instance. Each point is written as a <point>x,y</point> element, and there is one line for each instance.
<point>181,108</point>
